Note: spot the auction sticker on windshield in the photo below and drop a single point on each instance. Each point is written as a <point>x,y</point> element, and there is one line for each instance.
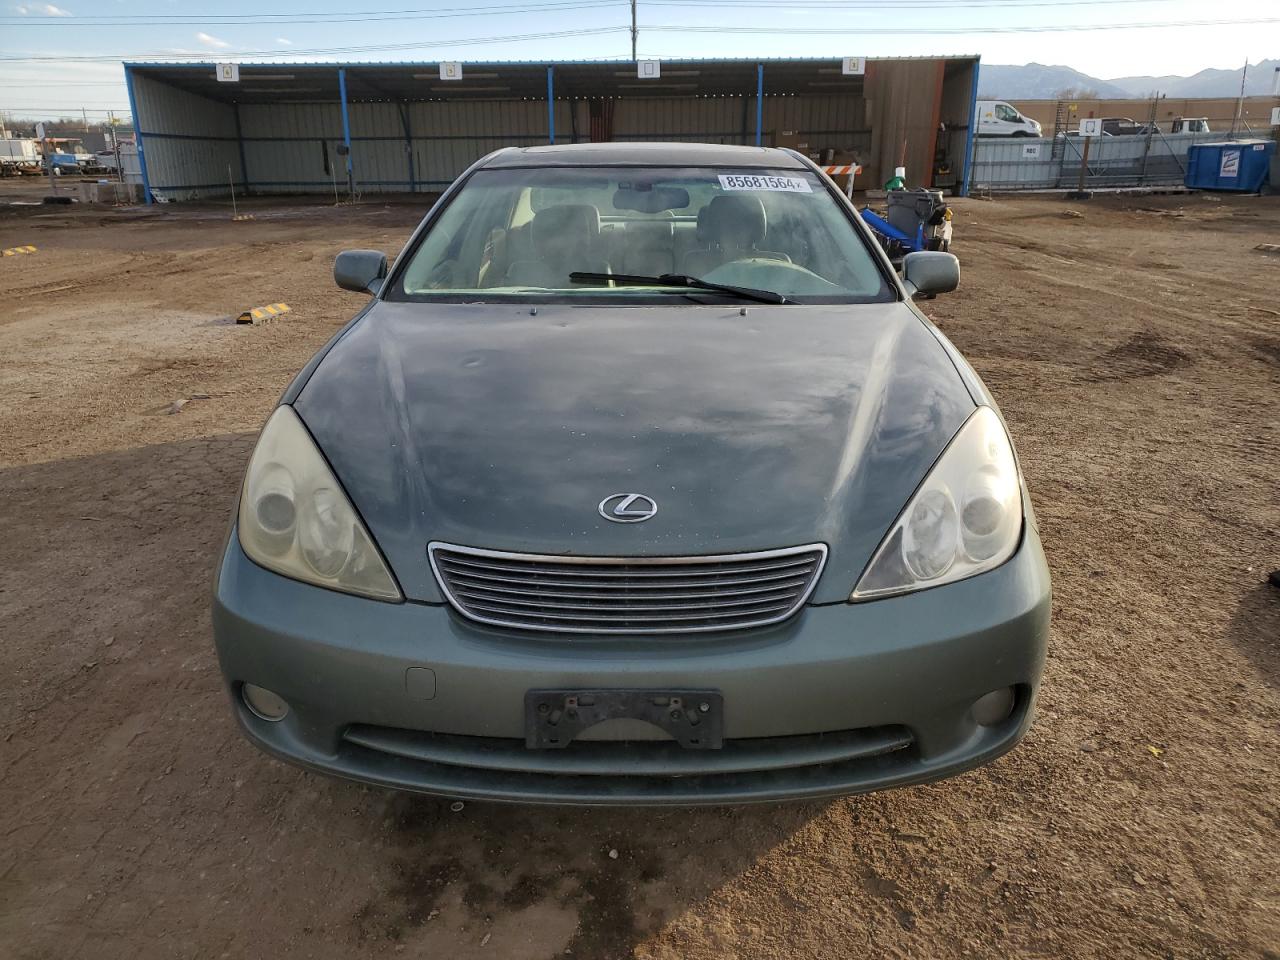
<point>748,181</point>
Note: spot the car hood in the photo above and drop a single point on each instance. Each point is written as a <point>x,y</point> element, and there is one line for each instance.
<point>505,427</point>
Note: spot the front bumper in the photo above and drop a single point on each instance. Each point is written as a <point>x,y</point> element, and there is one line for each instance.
<point>840,699</point>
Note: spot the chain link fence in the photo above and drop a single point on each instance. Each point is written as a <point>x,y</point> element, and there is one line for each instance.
<point>1044,163</point>
<point>1151,158</point>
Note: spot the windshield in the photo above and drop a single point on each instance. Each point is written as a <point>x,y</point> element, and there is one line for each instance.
<point>514,233</point>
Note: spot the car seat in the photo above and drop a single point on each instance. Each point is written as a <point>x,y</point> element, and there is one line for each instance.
<point>648,248</point>
<point>563,239</point>
<point>730,226</point>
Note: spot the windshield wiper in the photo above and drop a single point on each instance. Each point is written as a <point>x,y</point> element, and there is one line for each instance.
<point>679,280</point>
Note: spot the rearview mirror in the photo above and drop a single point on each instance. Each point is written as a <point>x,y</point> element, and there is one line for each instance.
<point>647,198</point>
<point>360,270</point>
<point>928,273</point>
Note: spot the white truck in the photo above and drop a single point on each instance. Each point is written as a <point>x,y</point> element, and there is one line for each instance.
<point>18,156</point>
<point>998,119</point>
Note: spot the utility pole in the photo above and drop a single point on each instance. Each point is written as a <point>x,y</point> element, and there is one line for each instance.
<point>1240,102</point>
<point>633,30</point>
<point>115,144</point>
<point>42,132</point>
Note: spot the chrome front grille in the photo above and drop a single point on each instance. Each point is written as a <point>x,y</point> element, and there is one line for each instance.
<point>627,594</point>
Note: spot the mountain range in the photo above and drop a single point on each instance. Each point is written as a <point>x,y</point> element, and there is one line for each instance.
<point>1036,81</point>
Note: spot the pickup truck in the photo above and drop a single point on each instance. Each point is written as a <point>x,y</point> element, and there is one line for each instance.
<point>1125,127</point>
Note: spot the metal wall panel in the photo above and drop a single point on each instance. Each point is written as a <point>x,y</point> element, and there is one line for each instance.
<point>905,99</point>
<point>292,147</point>
<point>379,151</point>
<point>1015,163</point>
<point>830,121</point>
<point>834,122</point>
<point>1030,163</point>
<point>449,136</point>
<point>685,119</point>
<point>188,141</point>
<point>130,168</point>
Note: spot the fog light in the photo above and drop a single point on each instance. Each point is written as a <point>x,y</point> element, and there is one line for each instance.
<point>992,708</point>
<point>263,703</point>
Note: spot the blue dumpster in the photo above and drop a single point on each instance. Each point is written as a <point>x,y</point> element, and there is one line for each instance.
<point>1239,165</point>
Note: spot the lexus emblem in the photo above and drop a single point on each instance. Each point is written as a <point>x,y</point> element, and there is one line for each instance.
<point>627,507</point>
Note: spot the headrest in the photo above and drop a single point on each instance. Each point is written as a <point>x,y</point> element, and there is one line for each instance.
<point>650,231</point>
<point>738,220</point>
<point>576,221</point>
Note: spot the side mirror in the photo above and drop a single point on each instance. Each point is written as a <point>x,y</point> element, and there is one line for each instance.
<point>928,273</point>
<point>360,270</point>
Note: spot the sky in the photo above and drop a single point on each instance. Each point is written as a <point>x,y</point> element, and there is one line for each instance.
<point>62,59</point>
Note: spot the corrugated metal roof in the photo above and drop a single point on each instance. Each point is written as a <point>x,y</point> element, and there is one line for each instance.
<point>540,63</point>
<point>377,81</point>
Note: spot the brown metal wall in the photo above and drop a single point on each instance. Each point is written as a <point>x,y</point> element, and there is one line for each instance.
<point>957,104</point>
<point>903,104</point>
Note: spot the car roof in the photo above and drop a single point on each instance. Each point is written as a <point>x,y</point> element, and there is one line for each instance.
<point>644,154</point>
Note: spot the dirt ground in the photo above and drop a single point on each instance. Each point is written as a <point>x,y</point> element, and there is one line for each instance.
<point>1134,345</point>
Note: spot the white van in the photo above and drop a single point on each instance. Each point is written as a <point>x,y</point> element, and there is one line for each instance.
<point>997,119</point>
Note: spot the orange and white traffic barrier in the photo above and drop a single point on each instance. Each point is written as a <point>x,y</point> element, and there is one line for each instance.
<point>850,170</point>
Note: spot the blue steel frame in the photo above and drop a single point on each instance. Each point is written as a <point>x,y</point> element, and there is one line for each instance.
<point>137,134</point>
<point>346,129</point>
<point>408,144</point>
<point>759,103</point>
<point>969,134</point>
<point>244,164</point>
<point>551,104</point>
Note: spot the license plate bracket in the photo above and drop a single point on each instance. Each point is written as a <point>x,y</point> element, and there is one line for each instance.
<point>694,718</point>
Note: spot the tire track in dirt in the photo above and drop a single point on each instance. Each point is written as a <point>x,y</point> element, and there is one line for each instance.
<point>1142,355</point>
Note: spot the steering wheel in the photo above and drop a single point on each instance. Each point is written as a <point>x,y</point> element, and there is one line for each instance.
<point>766,273</point>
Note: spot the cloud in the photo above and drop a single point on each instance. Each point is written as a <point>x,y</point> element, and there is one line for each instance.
<point>209,41</point>
<point>42,10</point>
<point>284,41</point>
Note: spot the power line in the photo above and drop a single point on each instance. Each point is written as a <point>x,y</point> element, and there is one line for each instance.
<point>943,31</point>
<point>278,19</point>
<point>281,20</point>
<point>222,17</point>
<point>211,55</point>
<point>910,30</point>
<point>840,6</point>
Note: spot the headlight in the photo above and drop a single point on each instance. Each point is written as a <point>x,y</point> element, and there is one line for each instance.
<point>295,519</point>
<point>965,518</point>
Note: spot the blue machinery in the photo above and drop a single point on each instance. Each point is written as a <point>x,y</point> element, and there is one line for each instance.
<point>888,232</point>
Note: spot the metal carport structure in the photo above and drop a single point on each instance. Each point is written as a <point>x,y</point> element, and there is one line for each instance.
<point>400,127</point>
